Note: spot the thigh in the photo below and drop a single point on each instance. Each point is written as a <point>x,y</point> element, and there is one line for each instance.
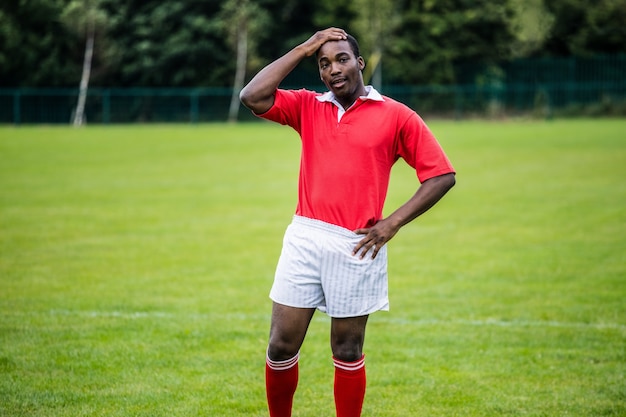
<point>287,331</point>
<point>347,337</point>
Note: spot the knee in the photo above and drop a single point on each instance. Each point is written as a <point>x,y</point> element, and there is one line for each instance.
<point>280,349</point>
<point>347,350</point>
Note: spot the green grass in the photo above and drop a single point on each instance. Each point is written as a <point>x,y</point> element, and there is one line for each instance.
<point>135,263</point>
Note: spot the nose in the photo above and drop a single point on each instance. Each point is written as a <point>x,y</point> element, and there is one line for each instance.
<point>334,68</point>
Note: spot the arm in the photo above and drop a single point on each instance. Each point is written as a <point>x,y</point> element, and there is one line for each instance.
<point>258,94</point>
<point>427,195</point>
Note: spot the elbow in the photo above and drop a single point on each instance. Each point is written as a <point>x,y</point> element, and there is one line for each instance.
<point>446,181</point>
<point>254,101</point>
<point>245,97</point>
<point>451,180</point>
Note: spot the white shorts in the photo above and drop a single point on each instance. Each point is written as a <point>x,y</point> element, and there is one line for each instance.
<point>316,269</point>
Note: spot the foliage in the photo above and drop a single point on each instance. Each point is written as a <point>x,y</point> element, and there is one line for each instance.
<point>167,43</point>
<point>582,29</point>
<point>376,21</point>
<point>531,24</point>
<point>78,15</point>
<point>337,13</point>
<point>182,44</point>
<point>438,35</point>
<point>36,49</point>
<point>233,15</point>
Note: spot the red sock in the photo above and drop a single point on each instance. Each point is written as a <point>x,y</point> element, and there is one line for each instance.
<point>281,380</point>
<point>349,387</point>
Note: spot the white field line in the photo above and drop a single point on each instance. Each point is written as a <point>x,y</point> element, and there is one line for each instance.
<point>508,323</point>
<point>379,318</point>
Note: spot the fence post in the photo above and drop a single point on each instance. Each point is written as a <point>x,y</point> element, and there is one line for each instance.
<point>572,79</point>
<point>17,107</point>
<point>458,102</point>
<point>106,106</point>
<point>194,105</point>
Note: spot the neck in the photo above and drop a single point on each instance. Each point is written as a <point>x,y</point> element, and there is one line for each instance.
<point>347,102</point>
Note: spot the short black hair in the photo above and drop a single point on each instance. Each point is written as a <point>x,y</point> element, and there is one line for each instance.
<point>354,45</point>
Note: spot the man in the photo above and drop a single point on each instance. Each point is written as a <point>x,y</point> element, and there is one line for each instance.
<point>334,255</point>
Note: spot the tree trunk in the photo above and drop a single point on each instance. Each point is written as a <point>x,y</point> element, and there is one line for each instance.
<point>240,73</point>
<point>79,115</point>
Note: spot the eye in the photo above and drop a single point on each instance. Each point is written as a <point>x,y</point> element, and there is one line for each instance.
<point>343,60</point>
<point>324,65</point>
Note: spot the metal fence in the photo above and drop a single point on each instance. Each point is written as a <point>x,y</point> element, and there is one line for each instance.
<point>115,105</point>
<point>510,100</point>
<point>538,87</point>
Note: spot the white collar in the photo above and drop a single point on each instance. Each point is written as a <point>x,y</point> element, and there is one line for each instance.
<point>329,96</point>
<point>372,94</point>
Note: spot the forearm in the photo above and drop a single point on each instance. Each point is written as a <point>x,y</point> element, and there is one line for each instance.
<point>258,95</point>
<point>427,195</point>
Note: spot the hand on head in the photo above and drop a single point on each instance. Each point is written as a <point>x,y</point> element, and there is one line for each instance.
<point>320,38</point>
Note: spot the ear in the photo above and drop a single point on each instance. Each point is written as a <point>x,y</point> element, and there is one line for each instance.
<point>361,62</point>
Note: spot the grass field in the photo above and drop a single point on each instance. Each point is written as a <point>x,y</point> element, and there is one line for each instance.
<point>135,263</point>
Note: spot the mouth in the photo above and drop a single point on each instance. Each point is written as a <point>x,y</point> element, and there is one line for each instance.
<point>338,82</point>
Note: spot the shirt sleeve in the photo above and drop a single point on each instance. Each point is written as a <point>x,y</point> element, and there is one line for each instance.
<point>421,150</point>
<point>286,108</point>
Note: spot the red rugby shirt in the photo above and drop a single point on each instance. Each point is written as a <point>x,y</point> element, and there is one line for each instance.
<point>345,165</point>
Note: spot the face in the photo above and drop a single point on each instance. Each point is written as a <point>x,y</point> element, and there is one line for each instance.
<point>341,70</point>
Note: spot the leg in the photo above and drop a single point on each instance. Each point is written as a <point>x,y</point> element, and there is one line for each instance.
<point>287,331</point>
<point>347,338</point>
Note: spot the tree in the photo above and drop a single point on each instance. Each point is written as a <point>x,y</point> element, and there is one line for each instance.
<point>531,24</point>
<point>435,38</point>
<point>36,49</point>
<point>291,23</point>
<point>335,13</point>
<point>172,43</point>
<point>84,17</point>
<point>374,25</point>
<point>242,21</point>
<point>154,43</point>
<point>584,28</point>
